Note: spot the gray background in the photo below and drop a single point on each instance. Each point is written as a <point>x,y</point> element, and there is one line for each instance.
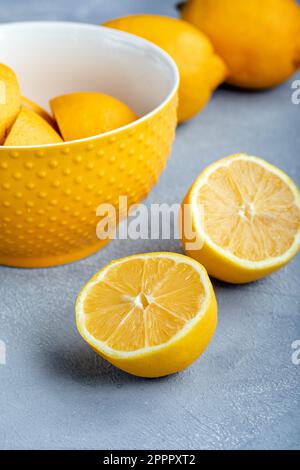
<point>243,393</point>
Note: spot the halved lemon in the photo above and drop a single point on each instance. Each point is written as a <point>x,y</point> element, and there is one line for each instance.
<point>245,216</point>
<point>149,314</point>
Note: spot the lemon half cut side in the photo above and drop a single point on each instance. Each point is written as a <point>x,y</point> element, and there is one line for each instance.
<point>150,314</point>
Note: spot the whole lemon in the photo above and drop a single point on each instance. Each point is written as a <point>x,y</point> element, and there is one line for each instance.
<point>259,40</point>
<point>201,70</point>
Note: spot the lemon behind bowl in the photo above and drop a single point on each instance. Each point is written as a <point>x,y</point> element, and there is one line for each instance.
<point>201,70</point>
<point>149,314</point>
<point>258,40</point>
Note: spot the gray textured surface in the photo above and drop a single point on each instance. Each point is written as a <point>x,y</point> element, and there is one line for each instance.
<point>243,393</point>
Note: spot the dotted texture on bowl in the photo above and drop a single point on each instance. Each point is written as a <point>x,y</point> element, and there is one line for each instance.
<point>49,196</point>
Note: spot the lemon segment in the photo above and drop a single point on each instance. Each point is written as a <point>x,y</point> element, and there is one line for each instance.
<point>246,214</point>
<point>86,114</point>
<point>150,315</point>
<point>31,129</point>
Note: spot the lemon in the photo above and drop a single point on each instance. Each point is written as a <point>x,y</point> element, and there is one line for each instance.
<point>10,100</point>
<point>258,40</point>
<point>201,70</point>
<point>246,216</point>
<point>29,104</point>
<point>149,314</point>
<point>86,114</point>
<point>31,129</point>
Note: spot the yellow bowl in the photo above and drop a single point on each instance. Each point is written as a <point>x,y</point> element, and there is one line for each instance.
<point>49,194</point>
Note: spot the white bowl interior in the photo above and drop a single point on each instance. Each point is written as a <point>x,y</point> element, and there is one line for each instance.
<point>51,59</point>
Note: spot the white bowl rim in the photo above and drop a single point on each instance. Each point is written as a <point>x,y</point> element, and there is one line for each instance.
<point>121,34</point>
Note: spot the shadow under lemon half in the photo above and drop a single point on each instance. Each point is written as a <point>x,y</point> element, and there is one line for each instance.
<point>150,314</point>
